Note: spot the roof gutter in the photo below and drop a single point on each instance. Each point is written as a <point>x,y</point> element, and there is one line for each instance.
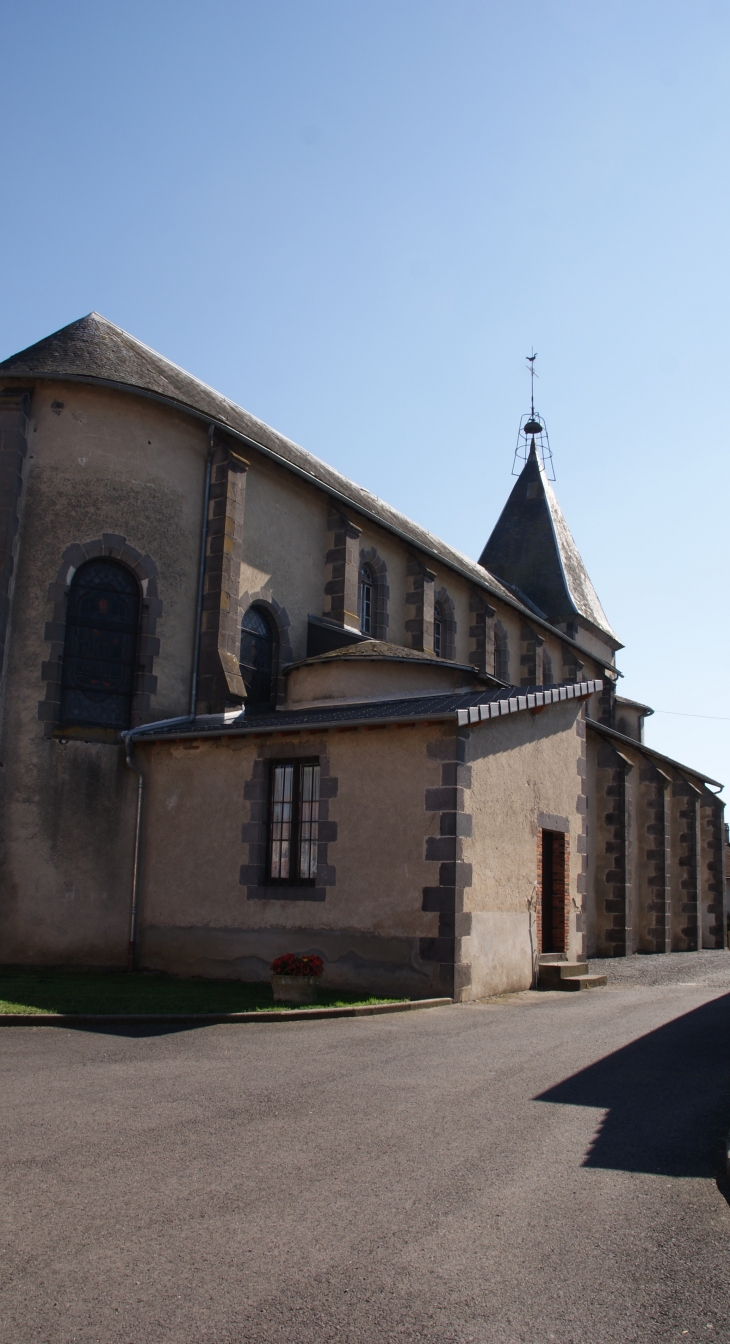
<point>320,485</point>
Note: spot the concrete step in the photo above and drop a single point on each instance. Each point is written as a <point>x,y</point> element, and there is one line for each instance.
<point>571,982</point>
<point>552,973</point>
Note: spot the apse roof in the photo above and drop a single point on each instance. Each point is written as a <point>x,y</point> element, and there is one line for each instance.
<point>532,551</point>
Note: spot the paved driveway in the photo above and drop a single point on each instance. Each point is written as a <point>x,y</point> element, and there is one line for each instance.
<point>541,1169</point>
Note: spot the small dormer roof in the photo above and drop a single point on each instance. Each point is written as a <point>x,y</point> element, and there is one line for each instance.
<point>532,551</point>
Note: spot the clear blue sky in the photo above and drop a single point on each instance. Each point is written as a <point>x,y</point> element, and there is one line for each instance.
<point>355,218</point>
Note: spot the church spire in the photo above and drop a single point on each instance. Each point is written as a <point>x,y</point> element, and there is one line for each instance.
<point>531,549</point>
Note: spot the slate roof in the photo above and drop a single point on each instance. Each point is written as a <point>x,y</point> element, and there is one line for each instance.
<point>532,551</point>
<point>465,707</point>
<point>93,349</point>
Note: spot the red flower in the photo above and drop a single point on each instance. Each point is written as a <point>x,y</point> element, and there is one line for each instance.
<point>290,964</point>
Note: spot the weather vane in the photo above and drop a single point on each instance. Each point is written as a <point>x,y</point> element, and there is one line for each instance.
<point>531,361</point>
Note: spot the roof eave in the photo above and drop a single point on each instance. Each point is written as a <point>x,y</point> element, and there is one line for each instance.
<point>339,496</point>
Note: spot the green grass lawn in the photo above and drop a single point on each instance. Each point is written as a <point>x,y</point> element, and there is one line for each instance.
<point>65,991</point>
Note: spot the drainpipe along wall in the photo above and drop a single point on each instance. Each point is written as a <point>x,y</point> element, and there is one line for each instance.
<point>130,736</point>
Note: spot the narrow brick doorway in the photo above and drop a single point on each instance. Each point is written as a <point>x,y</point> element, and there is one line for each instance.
<point>553,901</point>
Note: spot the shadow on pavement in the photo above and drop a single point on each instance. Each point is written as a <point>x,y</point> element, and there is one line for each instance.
<point>667,1095</point>
<point>133,1030</point>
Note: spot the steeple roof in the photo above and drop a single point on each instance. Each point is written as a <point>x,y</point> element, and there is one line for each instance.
<point>532,551</point>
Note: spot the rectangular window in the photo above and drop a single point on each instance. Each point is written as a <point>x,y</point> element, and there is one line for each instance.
<point>294,822</point>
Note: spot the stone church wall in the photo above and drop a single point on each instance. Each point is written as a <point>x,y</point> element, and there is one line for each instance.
<point>427,876</point>
<point>526,773</point>
<point>205,908</point>
<point>107,473</point>
<point>103,471</point>
<point>657,845</point>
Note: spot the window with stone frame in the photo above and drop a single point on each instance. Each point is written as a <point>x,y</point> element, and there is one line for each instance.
<point>373,573</point>
<point>293,832</point>
<point>100,649</point>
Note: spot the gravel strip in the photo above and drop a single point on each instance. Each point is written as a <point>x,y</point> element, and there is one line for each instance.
<point>674,968</point>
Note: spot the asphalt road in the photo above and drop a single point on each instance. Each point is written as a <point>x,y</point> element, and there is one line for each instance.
<point>542,1169</point>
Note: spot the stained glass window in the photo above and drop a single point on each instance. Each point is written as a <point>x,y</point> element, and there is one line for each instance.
<point>258,650</point>
<point>100,650</point>
<point>294,822</point>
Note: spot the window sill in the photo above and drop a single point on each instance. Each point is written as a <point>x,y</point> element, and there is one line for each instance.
<point>284,892</point>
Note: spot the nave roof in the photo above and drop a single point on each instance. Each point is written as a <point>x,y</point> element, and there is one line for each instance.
<point>95,350</point>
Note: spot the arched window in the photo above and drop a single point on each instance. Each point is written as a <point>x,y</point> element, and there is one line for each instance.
<point>100,650</point>
<point>438,630</point>
<point>366,600</point>
<point>547,669</point>
<point>501,652</point>
<point>258,659</point>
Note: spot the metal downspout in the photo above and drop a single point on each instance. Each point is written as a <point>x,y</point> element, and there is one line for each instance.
<point>135,867</point>
<point>132,733</point>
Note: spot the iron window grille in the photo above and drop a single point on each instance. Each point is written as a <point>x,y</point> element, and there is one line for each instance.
<point>293,823</point>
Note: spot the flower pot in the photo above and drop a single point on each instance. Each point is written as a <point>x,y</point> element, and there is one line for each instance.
<point>294,988</point>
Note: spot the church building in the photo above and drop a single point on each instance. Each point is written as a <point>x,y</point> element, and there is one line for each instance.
<point>247,708</point>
